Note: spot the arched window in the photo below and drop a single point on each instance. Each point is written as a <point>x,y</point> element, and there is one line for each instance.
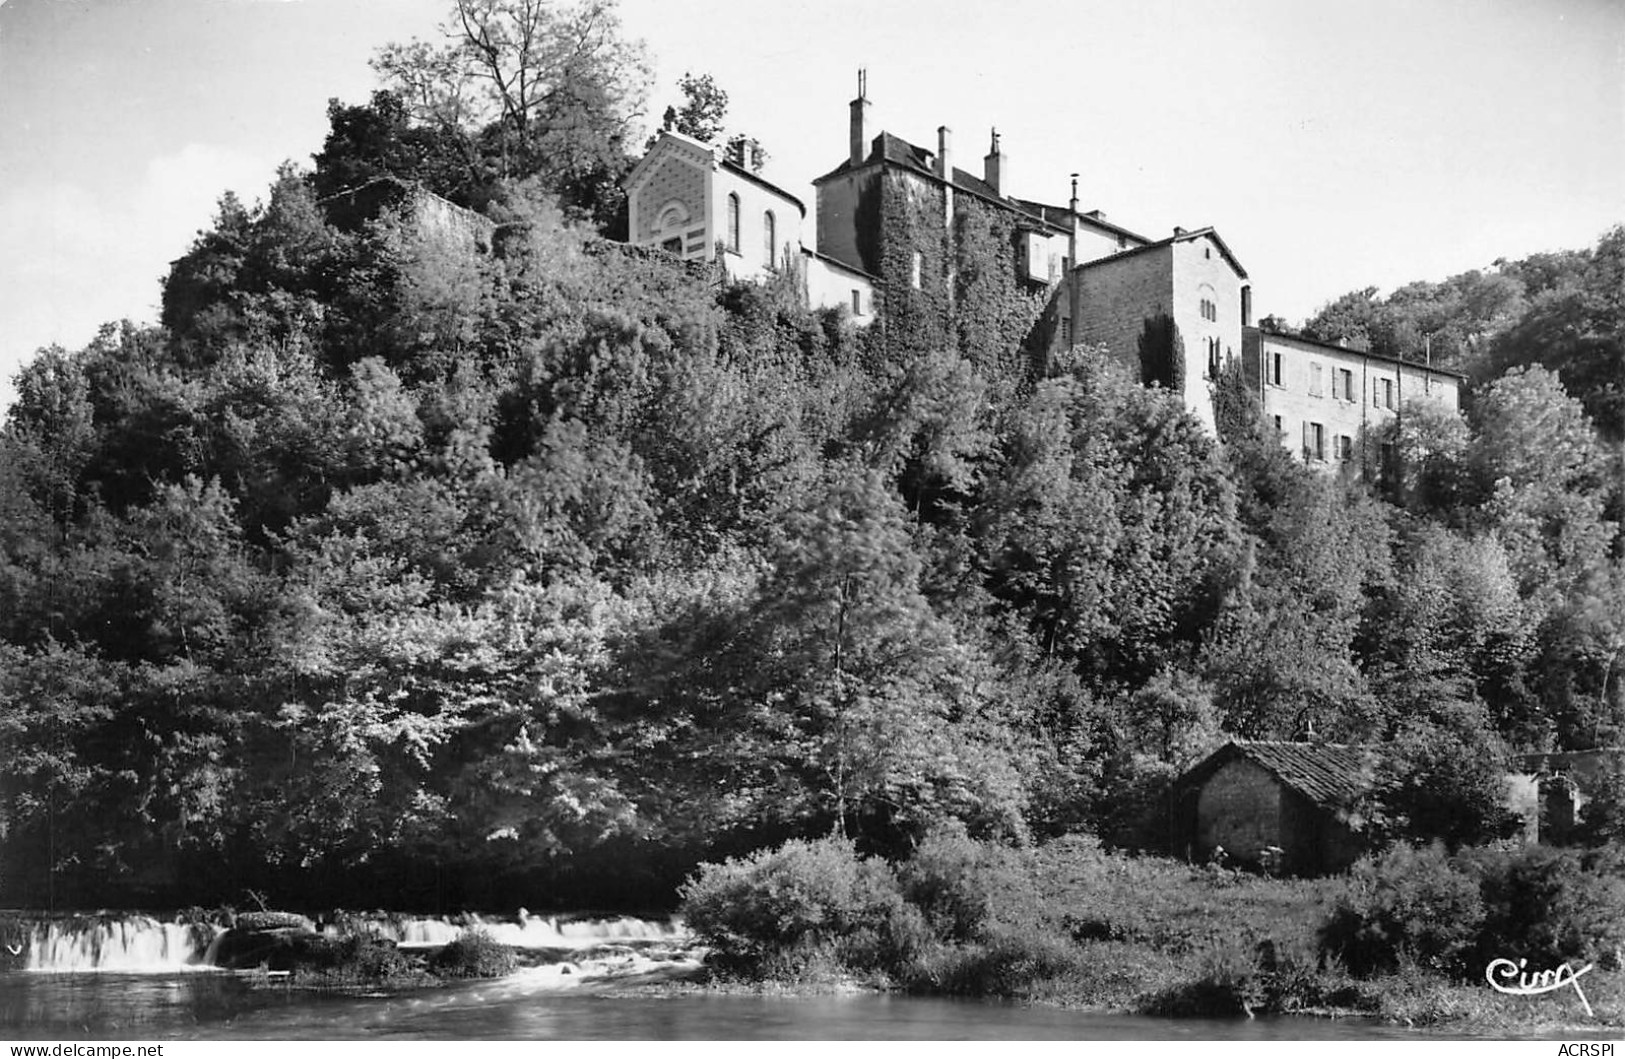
<point>733,222</point>
<point>770,238</point>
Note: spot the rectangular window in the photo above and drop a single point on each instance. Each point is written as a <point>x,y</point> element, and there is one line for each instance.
<point>1277,424</point>
<point>1275,369</point>
<point>1314,381</point>
<point>1317,441</point>
<point>1346,389</point>
<point>1345,447</point>
<point>857,303</point>
<point>1388,393</point>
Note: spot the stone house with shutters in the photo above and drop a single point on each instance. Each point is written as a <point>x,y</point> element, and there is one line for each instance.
<point>1327,400</point>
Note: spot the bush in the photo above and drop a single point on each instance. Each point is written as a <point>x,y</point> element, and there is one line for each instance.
<point>966,888</point>
<point>473,954</point>
<point>1407,904</point>
<point>1230,983</point>
<point>1552,906</point>
<point>363,957</point>
<point>803,897</point>
<point>252,921</point>
<point>1008,964</point>
<point>358,959</point>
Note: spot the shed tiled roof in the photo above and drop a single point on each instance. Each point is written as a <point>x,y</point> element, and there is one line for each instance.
<point>1331,775</point>
<point>1328,774</point>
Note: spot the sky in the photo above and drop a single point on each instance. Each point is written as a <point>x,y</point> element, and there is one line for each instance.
<point>1334,144</point>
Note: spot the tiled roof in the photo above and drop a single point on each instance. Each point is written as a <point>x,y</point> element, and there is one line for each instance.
<point>1328,774</point>
<point>1179,236</point>
<point>1093,219</point>
<point>1302,340</point>
<point>899,152</point>
<point>1331,775</point>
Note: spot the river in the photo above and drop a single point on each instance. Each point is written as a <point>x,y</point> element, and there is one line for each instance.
<point>138,978</point>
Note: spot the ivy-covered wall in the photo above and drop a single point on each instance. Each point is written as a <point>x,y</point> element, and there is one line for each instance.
<point>998,317</point>
<point>910,221</point>
<point>968,298</point>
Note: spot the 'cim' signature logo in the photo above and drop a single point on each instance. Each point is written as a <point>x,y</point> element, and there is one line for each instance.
<point>1527,984</point>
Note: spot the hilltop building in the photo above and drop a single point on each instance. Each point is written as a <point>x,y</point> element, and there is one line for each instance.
<point>892,217</point>
<point>1175,310</point>
<point>702,203</point>
<point>1326,399</point>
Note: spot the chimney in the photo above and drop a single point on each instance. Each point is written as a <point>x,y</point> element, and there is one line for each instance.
<point>860,120</point>
<point>945,166</point>
<point>1178,231</point>
<point>995,166</point>
<point>1246,305</point>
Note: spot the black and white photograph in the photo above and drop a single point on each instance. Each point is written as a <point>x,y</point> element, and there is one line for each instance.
<point>770,520</point>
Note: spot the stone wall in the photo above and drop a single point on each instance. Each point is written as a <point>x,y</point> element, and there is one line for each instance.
<point>1201,272</point>
<point>839,217</point>
<point>1239,808</point>
<point>1117,296</point>
<point>449,224</point>
<point>669,200</point>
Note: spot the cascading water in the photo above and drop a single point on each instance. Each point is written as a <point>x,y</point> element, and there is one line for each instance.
<point>597,947</point>
<point>145,944</point>
<point>530,932</point>
<point>123,943</point>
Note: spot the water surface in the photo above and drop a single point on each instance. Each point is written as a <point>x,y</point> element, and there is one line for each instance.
<point>539,1006</point>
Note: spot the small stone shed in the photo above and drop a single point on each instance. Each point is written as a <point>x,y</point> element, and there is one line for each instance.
<point>1296,804</point>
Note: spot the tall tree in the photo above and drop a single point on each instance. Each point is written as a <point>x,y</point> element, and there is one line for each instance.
<point>705,106</point>
<point>539,88</point>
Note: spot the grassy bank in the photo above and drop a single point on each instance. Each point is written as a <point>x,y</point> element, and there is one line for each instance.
<point>1402,939</point>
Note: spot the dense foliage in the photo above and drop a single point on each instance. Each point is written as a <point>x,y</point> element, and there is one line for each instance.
<point>408,566</point>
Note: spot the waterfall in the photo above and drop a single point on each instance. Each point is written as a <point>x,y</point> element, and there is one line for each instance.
<point>529,932</point>
<point>130,943</point>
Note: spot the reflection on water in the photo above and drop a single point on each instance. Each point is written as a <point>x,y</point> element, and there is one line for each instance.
<point>532,1006</point>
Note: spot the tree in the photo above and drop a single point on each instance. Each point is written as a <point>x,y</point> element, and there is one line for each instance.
<point>705,105</point>
<point>1429,446</point>
<point>375,146</point>
<point>1575,326</point>
<point>1538,466</point>
<point>536,87</point>
<point>868,691</point>
<point>1281,655</point>
<point>1353,317</point>
<point>1108,524</point>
